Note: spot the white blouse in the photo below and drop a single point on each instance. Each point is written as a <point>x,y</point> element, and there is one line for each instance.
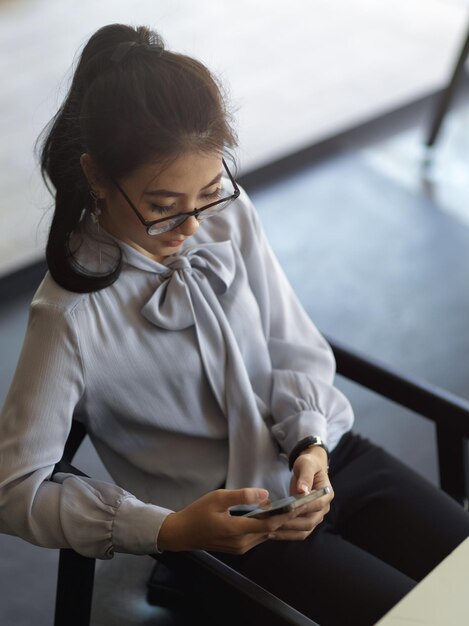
<point>190,374</point>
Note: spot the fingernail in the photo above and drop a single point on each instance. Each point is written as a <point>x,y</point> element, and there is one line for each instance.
<point>262,494</point>
<point>304,487</point>
<point>271,536</point>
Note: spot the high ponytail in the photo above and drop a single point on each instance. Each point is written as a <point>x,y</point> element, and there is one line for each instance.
<point>130,101</point>
<point>60,164</point>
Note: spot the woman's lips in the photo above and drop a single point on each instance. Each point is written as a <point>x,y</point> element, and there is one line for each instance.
<point>173,243</point>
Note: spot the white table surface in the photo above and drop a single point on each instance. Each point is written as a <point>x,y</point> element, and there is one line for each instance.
<point>441,599</point>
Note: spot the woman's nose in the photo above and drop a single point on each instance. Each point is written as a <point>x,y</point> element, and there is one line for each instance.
<point>188,227</point>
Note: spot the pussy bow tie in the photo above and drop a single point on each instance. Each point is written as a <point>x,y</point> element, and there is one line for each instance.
<point>188,295</point>
<point>183,285</point>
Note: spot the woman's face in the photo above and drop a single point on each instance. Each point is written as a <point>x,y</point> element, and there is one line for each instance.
<point>187,183</point>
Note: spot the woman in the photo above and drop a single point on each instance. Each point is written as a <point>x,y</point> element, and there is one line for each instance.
<point>166,326</point>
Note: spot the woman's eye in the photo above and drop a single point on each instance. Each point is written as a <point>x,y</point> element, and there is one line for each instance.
<point>214,195</point>
<point>157,208</point>
<point>162,209</point>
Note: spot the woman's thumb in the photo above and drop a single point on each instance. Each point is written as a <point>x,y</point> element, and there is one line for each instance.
<point>249,495</point>
<point>305,478</point>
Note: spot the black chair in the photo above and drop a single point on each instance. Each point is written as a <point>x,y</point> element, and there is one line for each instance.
<point>228,593</point>
<point>447,94</point>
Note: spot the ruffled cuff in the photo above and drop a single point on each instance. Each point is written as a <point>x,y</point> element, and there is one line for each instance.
<point>136,527</point>
<point>296,427</point>
<point>99,518</point>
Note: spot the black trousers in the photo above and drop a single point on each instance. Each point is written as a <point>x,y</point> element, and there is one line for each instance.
<point>387,528</point>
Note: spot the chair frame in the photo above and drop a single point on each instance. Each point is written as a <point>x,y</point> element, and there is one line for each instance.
<point>223,586</point>
<point>447,95</point>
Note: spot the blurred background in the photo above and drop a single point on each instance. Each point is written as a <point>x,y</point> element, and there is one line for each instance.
<point>334,102</point>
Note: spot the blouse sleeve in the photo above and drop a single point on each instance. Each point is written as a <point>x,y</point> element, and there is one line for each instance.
<point>93,517</point>
<point>304,400</point>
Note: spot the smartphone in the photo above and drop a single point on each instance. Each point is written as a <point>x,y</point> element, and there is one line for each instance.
<point>287,504</point>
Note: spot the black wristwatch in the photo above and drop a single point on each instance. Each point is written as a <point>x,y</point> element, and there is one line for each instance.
<point>307,442</point>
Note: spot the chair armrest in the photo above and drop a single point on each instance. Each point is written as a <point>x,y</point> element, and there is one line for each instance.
<point>233,596</point>
<point>440,406</point>
<point>448,411</point>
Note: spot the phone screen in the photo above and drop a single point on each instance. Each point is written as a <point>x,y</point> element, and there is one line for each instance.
<point>287,504</point>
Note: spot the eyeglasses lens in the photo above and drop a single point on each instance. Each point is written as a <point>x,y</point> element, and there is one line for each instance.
<point>174,222</point>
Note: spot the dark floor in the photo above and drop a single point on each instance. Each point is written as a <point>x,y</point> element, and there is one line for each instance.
<point>380,261</point>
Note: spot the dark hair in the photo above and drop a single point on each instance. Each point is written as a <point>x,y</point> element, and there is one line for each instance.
<point>128,103</point>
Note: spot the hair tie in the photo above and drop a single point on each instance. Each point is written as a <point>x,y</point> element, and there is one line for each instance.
<point>124,48</point>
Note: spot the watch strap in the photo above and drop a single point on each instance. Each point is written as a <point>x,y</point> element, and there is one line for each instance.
<point>307,442</point>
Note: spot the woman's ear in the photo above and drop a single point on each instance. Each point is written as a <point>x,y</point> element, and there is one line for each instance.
<point>91,173</point>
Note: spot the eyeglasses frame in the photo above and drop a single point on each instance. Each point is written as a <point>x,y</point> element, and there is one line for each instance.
<point>149,223</point>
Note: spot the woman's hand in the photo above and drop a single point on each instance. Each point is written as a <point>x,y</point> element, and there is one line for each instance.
<point>309,472</point>
<point>206,524</point>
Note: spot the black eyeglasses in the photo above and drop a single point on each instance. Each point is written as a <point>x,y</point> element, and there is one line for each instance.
<point>162,225</point>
